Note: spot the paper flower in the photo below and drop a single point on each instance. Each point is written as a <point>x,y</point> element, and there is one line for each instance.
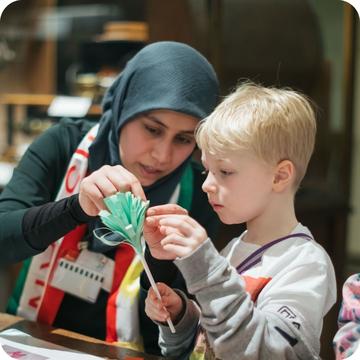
<point>126,217</point>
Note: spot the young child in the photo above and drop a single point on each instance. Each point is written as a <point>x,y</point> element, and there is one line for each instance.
<point>266,295</point>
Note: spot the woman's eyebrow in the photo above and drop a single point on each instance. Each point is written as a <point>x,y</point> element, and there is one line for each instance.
<point>155,119</point>
<point>160,123</point>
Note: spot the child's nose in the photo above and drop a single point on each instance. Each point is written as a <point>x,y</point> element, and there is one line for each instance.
<point>209,185</point>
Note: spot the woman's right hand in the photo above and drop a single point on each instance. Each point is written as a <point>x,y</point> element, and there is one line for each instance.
<point>105,182</point>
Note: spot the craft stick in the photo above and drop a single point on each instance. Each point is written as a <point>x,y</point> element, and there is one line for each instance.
<point>153,285</point>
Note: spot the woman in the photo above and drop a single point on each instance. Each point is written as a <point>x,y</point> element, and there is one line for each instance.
<point>143,143</point>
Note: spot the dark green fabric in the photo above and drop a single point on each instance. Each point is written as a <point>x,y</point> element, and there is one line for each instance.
<point>14,300</point>
<point>186,188</point>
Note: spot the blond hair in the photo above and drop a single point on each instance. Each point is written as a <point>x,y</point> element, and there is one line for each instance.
<point>275,124</point>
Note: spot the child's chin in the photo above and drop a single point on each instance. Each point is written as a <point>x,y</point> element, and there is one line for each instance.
<point>227,221</point>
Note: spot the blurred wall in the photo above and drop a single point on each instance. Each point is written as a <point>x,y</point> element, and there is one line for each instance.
<point>354,219</point>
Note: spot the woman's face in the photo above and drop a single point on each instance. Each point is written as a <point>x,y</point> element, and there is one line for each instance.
<point>154,144</point>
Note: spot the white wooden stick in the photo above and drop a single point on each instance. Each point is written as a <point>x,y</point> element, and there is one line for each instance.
<point>153,285</point>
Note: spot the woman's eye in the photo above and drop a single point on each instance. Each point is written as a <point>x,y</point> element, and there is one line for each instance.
<point>152,130</point>
<point>183,140</point>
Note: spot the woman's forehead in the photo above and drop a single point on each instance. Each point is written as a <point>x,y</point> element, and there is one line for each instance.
<point>173,120</point>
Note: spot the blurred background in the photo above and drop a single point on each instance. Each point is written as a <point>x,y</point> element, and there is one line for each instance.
<point>76,47</point>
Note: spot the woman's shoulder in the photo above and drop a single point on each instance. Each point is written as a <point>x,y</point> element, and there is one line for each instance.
<point>59,142</point>
<point>67,133</point>
<point>75,126</point>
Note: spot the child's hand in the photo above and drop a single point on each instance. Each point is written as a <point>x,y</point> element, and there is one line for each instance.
<point>183,234</point>
<point>170,306</point>
<point>152,233</point>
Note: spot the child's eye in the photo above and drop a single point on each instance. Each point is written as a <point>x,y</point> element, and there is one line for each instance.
<point>205,172</point>
<point>225,173</point>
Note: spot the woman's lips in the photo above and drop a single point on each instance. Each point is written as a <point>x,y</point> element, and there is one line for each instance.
<point>149,171</point>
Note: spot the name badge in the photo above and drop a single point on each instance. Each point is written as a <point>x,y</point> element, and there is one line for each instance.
<point>85,276</point>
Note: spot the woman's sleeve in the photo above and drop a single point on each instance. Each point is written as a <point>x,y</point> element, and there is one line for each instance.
<point>285,322</point>
<point>347,338</point>
<point>30,218</point>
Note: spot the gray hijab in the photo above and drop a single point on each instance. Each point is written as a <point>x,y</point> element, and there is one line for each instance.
<point>164,75</point>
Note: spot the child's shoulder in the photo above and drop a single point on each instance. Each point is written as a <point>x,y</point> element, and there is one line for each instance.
<point>300,247</point>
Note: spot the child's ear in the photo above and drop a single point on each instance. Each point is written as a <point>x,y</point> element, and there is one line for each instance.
<point>284,175</point>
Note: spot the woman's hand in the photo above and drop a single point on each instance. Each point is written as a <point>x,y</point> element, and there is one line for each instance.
<point>152,233</point>
<point>170,305</point>
<point>104,182</point>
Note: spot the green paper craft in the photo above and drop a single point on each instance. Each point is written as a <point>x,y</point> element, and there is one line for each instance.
<point>126,217</point>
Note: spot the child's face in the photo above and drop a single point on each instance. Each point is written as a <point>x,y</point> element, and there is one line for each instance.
<point>239,186</point>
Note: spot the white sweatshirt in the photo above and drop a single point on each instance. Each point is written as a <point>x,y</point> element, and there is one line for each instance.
<point>292,288</point>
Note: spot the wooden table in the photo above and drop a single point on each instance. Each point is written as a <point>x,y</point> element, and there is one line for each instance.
<point>71,340</point>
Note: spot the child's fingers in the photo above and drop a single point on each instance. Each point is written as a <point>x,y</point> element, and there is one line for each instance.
<point>154,220</point>
<point>178,250</point>
<point>177,239</point>
<point>163,288</point>
<point>168,230</point>
<point>181,223</point>
<point>154,308</point>
<point>156,314</point>
<point>166,210</point>
<point>173,238</point>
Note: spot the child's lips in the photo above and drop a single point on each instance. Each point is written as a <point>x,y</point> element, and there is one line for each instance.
<point>216,206</point>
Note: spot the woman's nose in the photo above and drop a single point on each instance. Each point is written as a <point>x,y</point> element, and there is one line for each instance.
<point>162,152</point>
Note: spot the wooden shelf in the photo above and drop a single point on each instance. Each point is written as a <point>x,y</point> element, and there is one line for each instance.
<point>38,100</point>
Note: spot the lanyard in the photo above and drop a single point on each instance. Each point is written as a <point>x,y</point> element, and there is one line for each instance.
<point>256,256</point>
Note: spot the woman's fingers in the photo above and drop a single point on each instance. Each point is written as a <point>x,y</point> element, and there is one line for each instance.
<point>105,186</point>
<point>90,198</point>
<point>105,182</point>
<point>124,180</point>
